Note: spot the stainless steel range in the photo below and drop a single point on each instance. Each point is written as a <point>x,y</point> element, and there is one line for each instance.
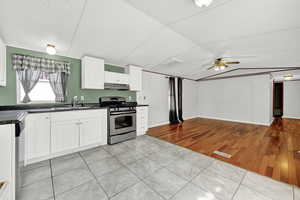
<point>122,119</point>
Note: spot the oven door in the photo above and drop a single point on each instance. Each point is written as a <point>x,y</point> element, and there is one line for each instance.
<point>122,123</point>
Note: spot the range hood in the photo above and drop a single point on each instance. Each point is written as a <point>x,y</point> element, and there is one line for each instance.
<point>116,86</point>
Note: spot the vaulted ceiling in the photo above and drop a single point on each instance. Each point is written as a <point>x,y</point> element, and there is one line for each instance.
<point>167,36</point>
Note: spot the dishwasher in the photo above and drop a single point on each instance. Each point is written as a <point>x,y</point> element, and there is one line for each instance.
<point>19,153</point>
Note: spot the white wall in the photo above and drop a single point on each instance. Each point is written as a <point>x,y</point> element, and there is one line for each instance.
<point>243,99</point>
<point>291,99</point>
<point>155,92</point>
<point>189,99</point>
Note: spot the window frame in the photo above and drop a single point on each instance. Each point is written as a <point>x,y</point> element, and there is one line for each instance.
<point>18,94</point>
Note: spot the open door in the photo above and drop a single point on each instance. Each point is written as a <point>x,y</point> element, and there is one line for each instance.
<point>278,99</point>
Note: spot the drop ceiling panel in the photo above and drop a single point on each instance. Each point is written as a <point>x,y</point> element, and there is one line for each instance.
<point>169,11</point>
<point>237,19</point>
<point>165,44</point>
<point>112,29</point>
<point>34,23</point>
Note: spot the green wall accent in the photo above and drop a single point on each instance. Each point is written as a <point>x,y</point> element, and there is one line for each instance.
<point>8,93</point>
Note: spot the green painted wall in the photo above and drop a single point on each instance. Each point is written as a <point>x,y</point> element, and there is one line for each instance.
<point>8,93</point>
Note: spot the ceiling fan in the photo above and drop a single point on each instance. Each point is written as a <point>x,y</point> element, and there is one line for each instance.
<point>220,64</point>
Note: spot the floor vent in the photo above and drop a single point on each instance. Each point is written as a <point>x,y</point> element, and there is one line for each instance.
<point>225,155</point>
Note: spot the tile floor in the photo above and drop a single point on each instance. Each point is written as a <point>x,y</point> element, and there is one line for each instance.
<point>146,169</point>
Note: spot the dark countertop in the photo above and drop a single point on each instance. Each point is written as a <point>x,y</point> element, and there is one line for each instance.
<point>14,114</point>
<point>11,117</point>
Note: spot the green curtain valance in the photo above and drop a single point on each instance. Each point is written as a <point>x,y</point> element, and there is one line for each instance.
<point>23,62</point>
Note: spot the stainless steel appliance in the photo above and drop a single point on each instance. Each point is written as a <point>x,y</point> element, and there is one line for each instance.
<point>122,119</point>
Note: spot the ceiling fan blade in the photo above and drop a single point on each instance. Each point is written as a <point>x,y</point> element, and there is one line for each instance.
<point>241,56</point>
<point>210,67</point>
<point>232,63</point>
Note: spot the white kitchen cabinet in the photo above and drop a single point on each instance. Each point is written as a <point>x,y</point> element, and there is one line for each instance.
<point>49,135</point>
<point>141,120</point>
<point>2,63</point>
<point>37,137</point>
<point>64,136</point>
<point>92,73</point>
<point>7,160</point>
<point>93,131</point>
<point>119,78</point>
<point>135,77</point>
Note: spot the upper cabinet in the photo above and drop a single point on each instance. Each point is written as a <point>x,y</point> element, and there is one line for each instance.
<point>119,78</point>
<point>92,73</point>
<point>2,63</point>
<point>135,78</point>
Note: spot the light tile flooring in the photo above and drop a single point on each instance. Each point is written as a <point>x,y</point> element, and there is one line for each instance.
<point>146,169</point>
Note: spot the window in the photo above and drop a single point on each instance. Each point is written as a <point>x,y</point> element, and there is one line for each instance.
<point>41,93</point>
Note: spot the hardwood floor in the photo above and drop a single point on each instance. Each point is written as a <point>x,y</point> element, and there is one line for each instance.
<point>270,151</point>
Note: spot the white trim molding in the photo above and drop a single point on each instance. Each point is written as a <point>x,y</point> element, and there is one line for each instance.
<point>234,120</point>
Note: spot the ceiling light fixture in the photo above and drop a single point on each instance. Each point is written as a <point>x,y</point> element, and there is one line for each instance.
<point>201,3</point>
<point>217,68</point>
<point>51,49</point>
<point>288,76</point>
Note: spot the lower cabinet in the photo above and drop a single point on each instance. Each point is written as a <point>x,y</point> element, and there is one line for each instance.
<point>141,120</point>
<point>37,137</point>
<point>89,131</point>
<point>7,161</point>
<point>58,133</point>
<point>64,136</point>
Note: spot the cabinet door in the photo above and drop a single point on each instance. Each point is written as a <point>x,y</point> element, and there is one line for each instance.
<point>93,131</point>
<point>64,135</point>
<point>135,74</point>
<point>7,159</point>
<point>2,63</point>
<point>92,73</point>
<point>37,136</point>
<point>142,120</point>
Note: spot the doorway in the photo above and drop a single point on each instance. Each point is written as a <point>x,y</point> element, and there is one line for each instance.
<point>277,99</point>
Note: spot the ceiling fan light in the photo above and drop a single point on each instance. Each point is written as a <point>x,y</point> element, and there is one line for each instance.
<point>50,49</point>
<point>222,67</point>
<point>217,68</point>
<point>201,3</point>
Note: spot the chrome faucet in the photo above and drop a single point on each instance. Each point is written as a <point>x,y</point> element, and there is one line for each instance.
<point>74,101</point>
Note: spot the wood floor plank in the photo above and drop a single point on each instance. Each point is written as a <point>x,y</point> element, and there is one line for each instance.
<point>270,151</point>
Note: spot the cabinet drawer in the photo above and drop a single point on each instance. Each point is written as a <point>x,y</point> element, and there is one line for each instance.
<point>76,115</point>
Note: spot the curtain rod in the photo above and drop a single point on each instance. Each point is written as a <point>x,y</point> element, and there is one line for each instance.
<point>167,75</point>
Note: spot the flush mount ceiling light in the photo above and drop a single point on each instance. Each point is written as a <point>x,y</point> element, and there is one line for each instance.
<point>51,49</point>
<point>201,3</point>
<point>288,76</point>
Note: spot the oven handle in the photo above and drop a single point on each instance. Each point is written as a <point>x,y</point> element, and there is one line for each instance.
<point>122,113</point>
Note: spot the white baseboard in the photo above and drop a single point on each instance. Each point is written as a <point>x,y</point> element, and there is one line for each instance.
<point>158,124</point>
<point>291,117</point>
<point>165,123</point>
<point>234,120</point>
